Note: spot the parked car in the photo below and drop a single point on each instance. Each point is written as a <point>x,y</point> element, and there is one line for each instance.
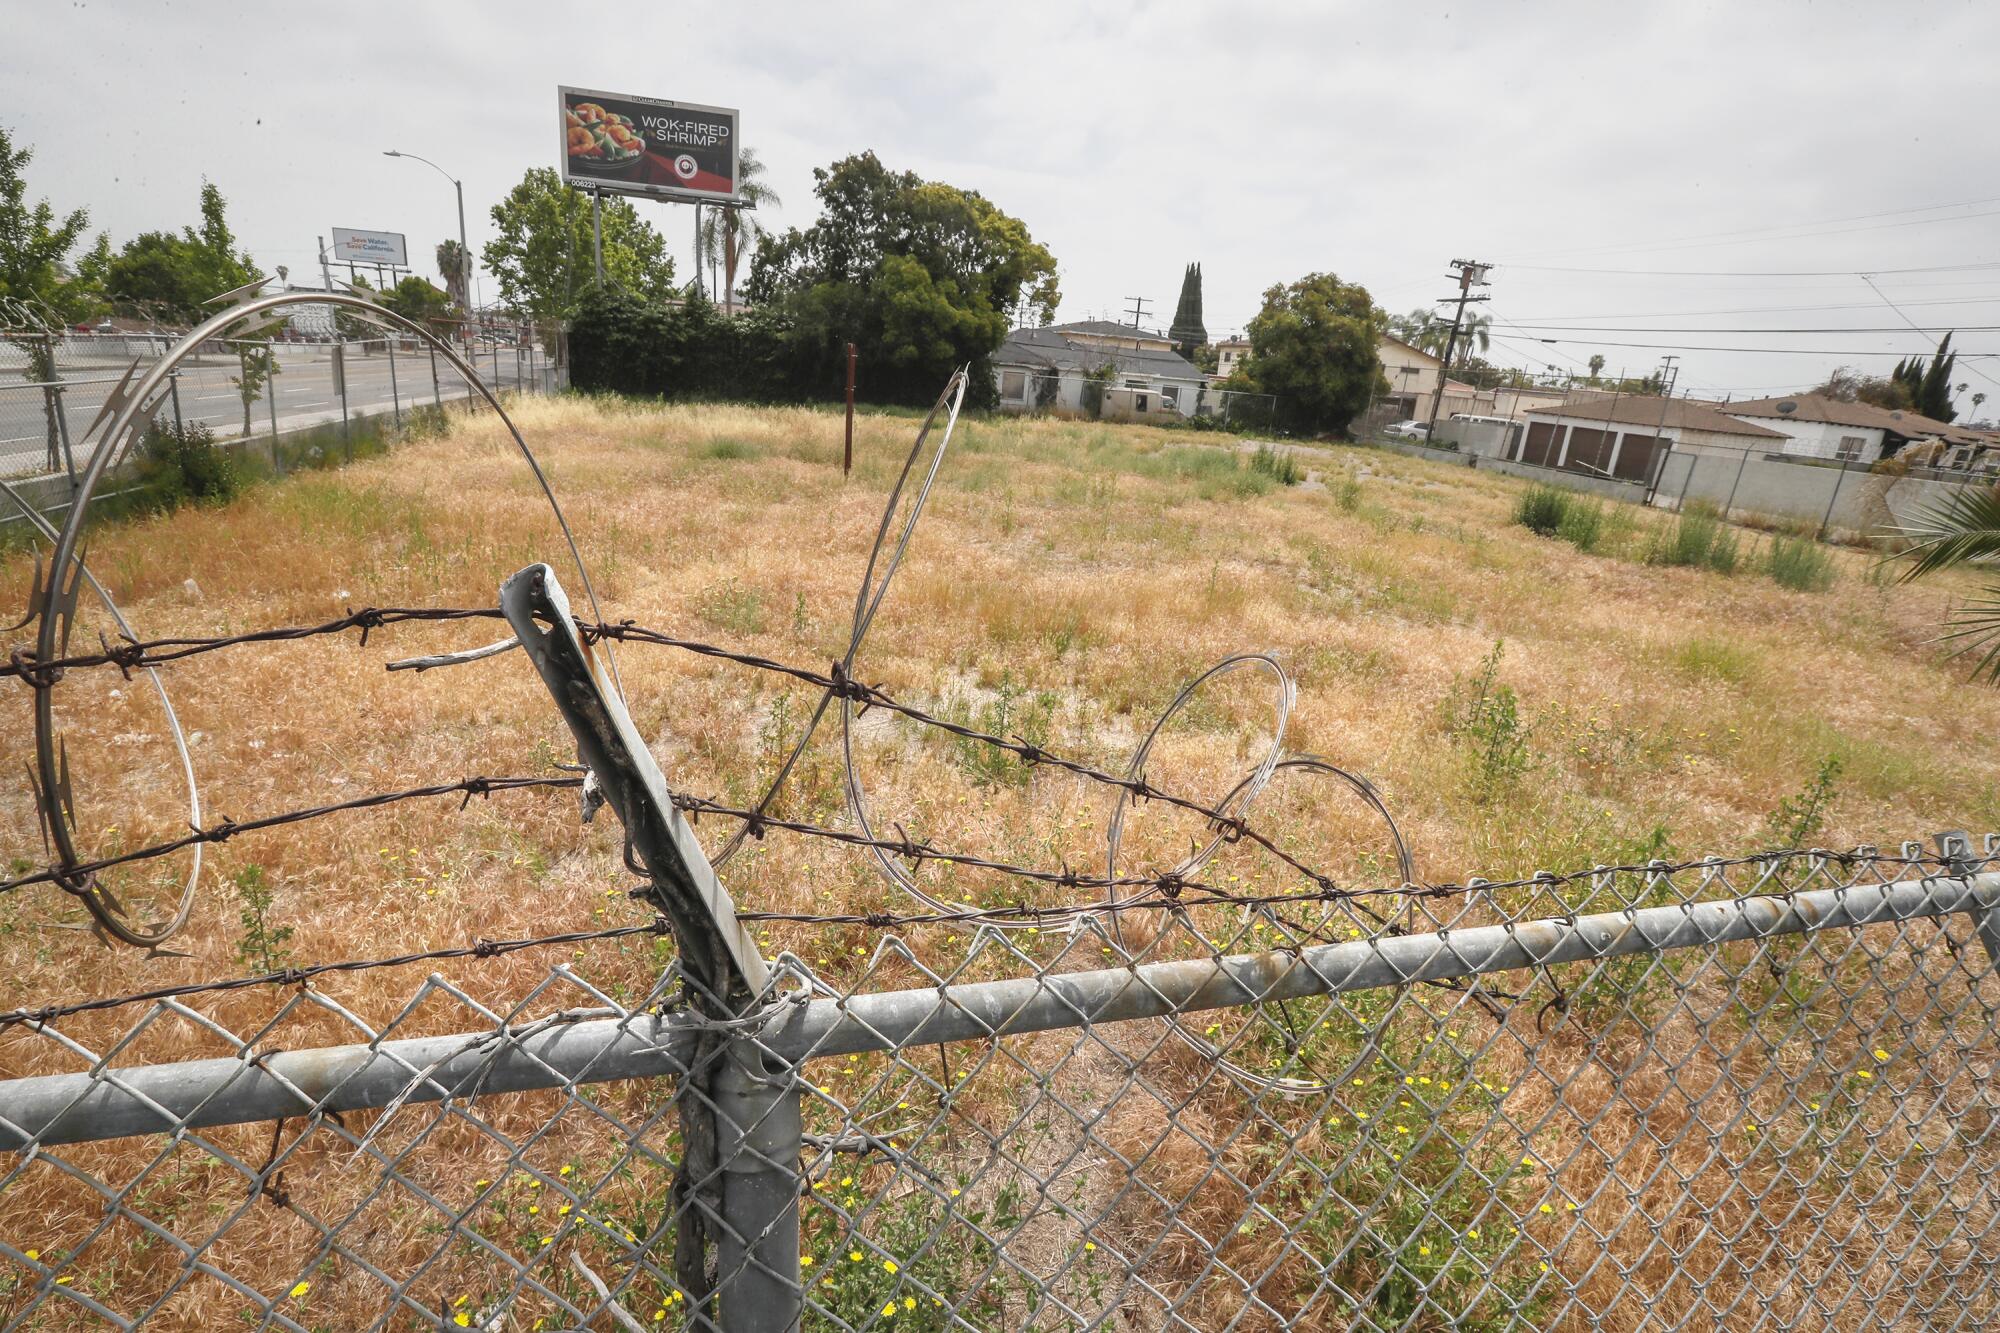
<point>1409,430</point>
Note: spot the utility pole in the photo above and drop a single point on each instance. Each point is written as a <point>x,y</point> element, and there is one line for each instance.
<point>1138,311</point>
<point>1471,273</point>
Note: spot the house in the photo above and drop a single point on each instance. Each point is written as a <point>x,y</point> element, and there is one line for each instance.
<point>1098,369</point>
<point>1413,378</point>
<point>1623,436</point>
<point>1820,427</point>
<point>1230,354</point>
<point>1515,403</point>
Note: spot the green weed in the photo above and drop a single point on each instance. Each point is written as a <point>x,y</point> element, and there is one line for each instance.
<point>263,947</point>
<point>1541,509</point>
<point>1799,563</point>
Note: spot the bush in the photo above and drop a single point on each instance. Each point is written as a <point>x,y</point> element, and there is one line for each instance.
<point>185,465</point>
<point>1582,522</point>
<point>622,344</point>
<point>1799,563</point>
<point>1541,509</point>
<point>1276,464</point>
<point>1696,539</point>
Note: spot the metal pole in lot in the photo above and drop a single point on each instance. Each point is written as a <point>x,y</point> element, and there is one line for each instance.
<point>437,390</point>
<point>174,392</point>
<point>847,457</point>
<point>395,396</point>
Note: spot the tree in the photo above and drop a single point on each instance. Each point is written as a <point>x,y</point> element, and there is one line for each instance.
<point>44,287</point>
<point>172,277</point>
<point>1418,329</point>
<point>1977,399</point>
<point>541,257</point>
<point>729,234</point>
<point>1962,530</point>
<point>1596,366</point>
<point>451,264</point>
<point>921,276</point>
<point>417,300</point>
<point>1314,345</point>
<point>1188,333</point>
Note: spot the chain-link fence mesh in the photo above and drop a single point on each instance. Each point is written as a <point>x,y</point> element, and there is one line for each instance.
<point>267,394</point>
<point>1753,1094</point>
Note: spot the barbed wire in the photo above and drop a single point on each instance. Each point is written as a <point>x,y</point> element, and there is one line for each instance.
<point>1182,897</point>
<point>134,654</point>
<point>224,830</point>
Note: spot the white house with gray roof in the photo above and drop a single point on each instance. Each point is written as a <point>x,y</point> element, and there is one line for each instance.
<point>1050,370</point>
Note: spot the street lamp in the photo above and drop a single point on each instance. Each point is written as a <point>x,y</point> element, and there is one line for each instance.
<point>464,252</point>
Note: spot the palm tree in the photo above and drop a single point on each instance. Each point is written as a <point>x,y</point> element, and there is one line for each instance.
<point>1962,530</point>
<point>727,234</point>
<point>1596,366</point>
<point>1977,399</point>
<point>1476,329</point>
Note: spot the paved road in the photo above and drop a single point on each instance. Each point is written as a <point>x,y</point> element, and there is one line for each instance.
<point>303,393</point>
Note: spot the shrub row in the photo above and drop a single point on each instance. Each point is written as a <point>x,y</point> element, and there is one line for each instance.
<point>1696,538</point>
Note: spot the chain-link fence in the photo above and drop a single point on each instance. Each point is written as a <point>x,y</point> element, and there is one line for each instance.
<point>1750,1094</point>
<point>1744,1093</point>
<point>260,392</point>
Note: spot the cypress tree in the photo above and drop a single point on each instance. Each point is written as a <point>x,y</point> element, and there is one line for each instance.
<point>1933,387</point>
<point>1187,332</point>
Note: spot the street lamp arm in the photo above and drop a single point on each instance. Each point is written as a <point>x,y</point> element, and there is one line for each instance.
<point>391,152</point>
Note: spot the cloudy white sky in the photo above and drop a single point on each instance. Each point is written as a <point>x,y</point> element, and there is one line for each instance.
<point>1735,167</point>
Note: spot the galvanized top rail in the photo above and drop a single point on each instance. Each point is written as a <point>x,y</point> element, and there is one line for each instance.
<point>70,1108</point>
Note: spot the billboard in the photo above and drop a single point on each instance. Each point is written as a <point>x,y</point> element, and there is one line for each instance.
<point>368,247</point>
<point>646,145</point>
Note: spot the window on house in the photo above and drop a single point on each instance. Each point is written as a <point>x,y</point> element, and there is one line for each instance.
<point>1850,448</point>
<point>1014,385</point>
<point>1171,393</point>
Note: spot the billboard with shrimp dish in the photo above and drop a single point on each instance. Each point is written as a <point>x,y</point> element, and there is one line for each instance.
<point>648,145</point>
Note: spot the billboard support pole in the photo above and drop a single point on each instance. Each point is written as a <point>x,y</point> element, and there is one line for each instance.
<point>597,234</point>
<point>697,246</point>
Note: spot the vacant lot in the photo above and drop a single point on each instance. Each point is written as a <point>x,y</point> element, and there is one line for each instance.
<point>1521,705</point>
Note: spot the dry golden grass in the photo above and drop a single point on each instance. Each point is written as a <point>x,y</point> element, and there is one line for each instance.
<point>1066,580</point>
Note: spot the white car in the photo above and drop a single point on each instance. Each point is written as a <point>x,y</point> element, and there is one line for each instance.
<point>1409,430</point>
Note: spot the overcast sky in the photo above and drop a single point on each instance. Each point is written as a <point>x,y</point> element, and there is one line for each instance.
<point>1768,154</point>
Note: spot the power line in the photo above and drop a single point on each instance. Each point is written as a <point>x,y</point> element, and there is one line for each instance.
<point>1769,309</point>
<point>1796,230</point>
<point>1754,273</point>
<point>1777,351</point>
<point>1892,328</point>
<point>1913,324</point>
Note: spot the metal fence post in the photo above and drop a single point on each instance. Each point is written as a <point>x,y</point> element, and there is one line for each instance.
<point>1831,501</point>
<point>174,392</point>
<point>62,433</point>
<point>271,405</point>
<point>340,383</point>
<point>395,396</point>
<point>437,390</point>
<point>1955,849</point>
<point>738,1183</point>
<point>1730,503</point>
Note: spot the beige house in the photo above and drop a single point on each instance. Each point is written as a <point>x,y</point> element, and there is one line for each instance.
<point>1413,378</point>
<point>1230,354</point>
<point>1113,337</point>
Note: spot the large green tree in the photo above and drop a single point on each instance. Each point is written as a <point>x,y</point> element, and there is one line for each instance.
<point>48,282</point>
<point>1188,333</point>
<point>167,276</point>
<point>541,256</point>
<point>920,275</point>
<point>1315,345</point>
<point>1927,381</point>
